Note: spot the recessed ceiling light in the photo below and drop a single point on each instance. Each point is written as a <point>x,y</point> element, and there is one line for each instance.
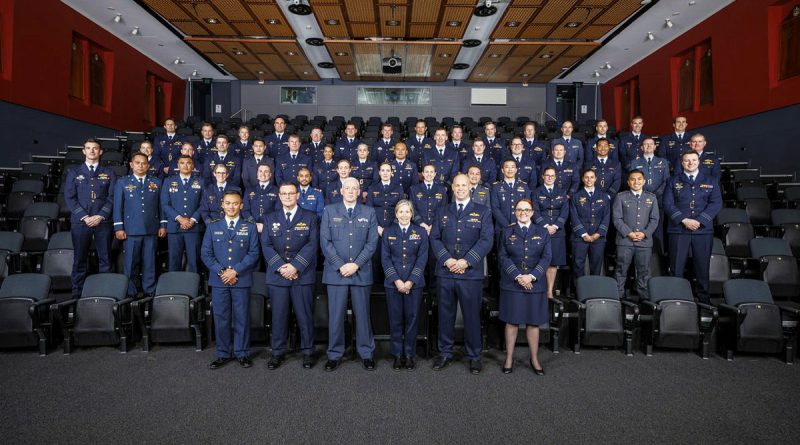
<point>314,41</point>
<point>454,23</point>
<point>471,43</point>
<point>444,55</point>
<point>392,23</point>
<point>546,56</point>
<point>460,66</point>
<point>341,53</point>
<point>494,55</point>
<point>272,21</point>
<point>347,73</point>
<point>195,73</point>
<point>480,74</point>
<point>239,53</point>
<point>572,24</point>
<point>512,24</point>
<point>259,72</point>
<point>177,61</point>
<point>437,74</point>
<point>211,21</point>
<point>305,72</point>
<point>326,65</point>
<point>291,53</point>
<point>525,75</point>
<point>221,65</point>
<point>332,22</point>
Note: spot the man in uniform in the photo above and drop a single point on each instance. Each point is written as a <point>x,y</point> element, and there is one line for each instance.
<point>601,132</point>
<point>460,240</point>
<point>88,192</point>
<point>383,149</point>
<point>478,192</point>
<point>289,243</point>
<point>527,170</point>
<point>206,143</point>
<point>479,158</point>
<point>635,214</point>
<point>573,148</point>
<point>446,161</point>
<point>495,146</point>
<point>403,171</point>
<point>277,142</point>
<point>261,200</point>
<point>567,173</point>
<point>656,174</point>
<point>243,146</point>
<point>708,159</point>
<point>349,237</point>
<point>504,194</point>
<point>310,198</point>
<point>168,146</point>
<point>691,202</point>
<point>427,197</point>
<point>136,222</point>
<point>674,144</point>
<point>155,167</point>
<point>250,163</point>
<point>223,156</point>
<point>630,144</point>
<point>347,145</point>
<point>187,149</point>
<point>608,171</point>
<point>315,146</point>
<point>457,142</point>
<point>230,251</point>
<point>535,149</point>
<point>181,195</point>
<point>334,192</point>
<point>418,143</point>
<point>287,165</point>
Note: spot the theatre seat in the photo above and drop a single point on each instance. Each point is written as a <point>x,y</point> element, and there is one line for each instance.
<point>57,261</point>
<point>778,266</point>
<point>719,268</point>
<point>786,224</point>
<point>24,312</point>
<point>735,230</point>
<point>599,317</point>
<point>175,313</point>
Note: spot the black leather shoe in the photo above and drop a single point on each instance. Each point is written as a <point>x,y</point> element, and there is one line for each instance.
<point>369,364</point>
<point>441,362</point>
<point>537,371</point>
<point>331,365</point>
<point>220,362</point>
<point>399,363</point>
<point>275,362</point>
<point>410,365</point>
<point>508,370</point>
<point>245,362</point>
<point>475,366</point>
<point>308,361</point>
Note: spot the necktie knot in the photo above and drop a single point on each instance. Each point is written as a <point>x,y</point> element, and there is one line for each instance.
<point>288,217</point>
<point>591,193</point>
<point>350,213</point>
<point>141,181</point>
<point>558,163</point>
<point>429,186</point>
<point>231,226</point>
<point>91,168</point>
<point>263,188</point>
<point>221,189</point>
<point>441,152</point>
<point>185,181</point>
<point>403,230</point>
<point>524,230</point>
<point>460,208</point>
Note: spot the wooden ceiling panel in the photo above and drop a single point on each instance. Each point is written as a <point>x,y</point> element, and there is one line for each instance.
<point>206,47</point>
<point>520,15</point>
<point>249,28</point>
<point>528,2</point>
<point>264,11</point>
<point>594,32</point>
<point>261,48</point>
<point>454,14</point>
<point>233,10</point>
<point>364,29</point>
<point>191,28</point>
<point>426,11</point>
<point>360,10</point>
<point>618,12</point>
<point>168,9</point>
<point>596,2</point>
<point>386,13</point>
<point>524,50</point>
<point>582,16</point>
<point>553,11</point>
<point>423,31</point>
<point>536,32</point>
<point>323,13</point>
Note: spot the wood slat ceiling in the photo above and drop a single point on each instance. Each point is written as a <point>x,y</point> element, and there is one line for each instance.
<point>258,60</point>
<point>526,62</point>
<point>421,61</point>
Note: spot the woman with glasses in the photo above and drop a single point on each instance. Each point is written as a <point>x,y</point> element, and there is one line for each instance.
<point>551,211</point>
<point>524,256</point>
<point>590,214</point>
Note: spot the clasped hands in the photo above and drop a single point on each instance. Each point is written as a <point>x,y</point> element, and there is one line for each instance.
<point>590,238</point>
<point>691,224</point>
<point>93,221</point>
<point>404,287</point>
<point>456,266</point>
<point>637,236</point>
<point>526,281</point>
<point>185,222</point>
<point>348,269</point>
<point>288,272</point>
<point>229,276</point>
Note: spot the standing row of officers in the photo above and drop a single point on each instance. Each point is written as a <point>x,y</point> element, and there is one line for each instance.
<point>447,231</point>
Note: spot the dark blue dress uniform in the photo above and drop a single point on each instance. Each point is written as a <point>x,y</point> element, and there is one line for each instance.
<point>382,150</point>
<point>527,169</point>
<point>417,147</point>
<point>502,198</point>
<point>404,256</point>
<point>211,207</point>
<point>427,201</point>
<point>709,165</point>
<point>235,248</point>
<point>333,193</point>
<point>347,239</point>
<point>463,148</point>
<point>233,162</point>
<point>242,148</point>
<point>346,149</point>
<point>590,152</point>
<point>701,200</point>
<point>173,169</point>
<point>609,174</point>
<point>202,148</point>
<point>405,173</point>
<point>296,243</point>
<point>446,164</point>
<point>496,148</point>
<point>277,144</point>
<point>589,215</point>
<point>672,146</point>
<point>568,175</point>
<point>366,172</point>
<point>155,167</point>
<point>258,202</point>
<point>552,208</point>
<point>182,199</point>
<point>324,173</point>
<point>481,195</point>
<point>573,149</point>
<point>630,148</point>
<point>487,165</point>
<point>166,147</point>
<point>311,199</point>
<point>461,234</point>
<point>286,167</point>
<point>383,198</point>
<point>250,170</point>
<point>523,251</point>
<point>536,149</point>
<point>88,194</point>
<point>137,212</point>
<point>314,150</point>
<point>656,173</point>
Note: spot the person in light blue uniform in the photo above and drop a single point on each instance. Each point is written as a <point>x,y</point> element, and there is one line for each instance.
<point>181,196</point>
<point>309,198</point>
<point>89,194</point>
<point>230,252</point>
<point>349,237</point>
<point>590,216</point>
<point>136,222</point>
<point>551,212</point>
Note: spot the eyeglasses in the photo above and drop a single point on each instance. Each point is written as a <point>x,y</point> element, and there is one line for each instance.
<point>524,210</point>
<point>287,193</point>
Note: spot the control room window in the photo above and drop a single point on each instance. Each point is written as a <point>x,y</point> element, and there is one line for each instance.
<point>76,76</point>
<point>91,68</point>
<point>693,77</point>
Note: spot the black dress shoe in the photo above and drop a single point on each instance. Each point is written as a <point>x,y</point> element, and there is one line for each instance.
<point>369,364</point>
<point>245,362</point>
<point>537,371</point>
<point>308,361</point>
<point>275,362</point>
<point>220,362</point>
<point>441,362</point>
<point>410,365</point>
<point>475,366</point>
<point>331,365</point>
<point>399,363</point>
<point>508,370</point>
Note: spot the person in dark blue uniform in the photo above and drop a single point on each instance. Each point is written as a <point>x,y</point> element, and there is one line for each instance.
<point>232,162</point>
<point>261,200</point>
<point>536,149</point>
<point>551,211</point>
<point>211,208</point>
<point>485,162</point>
<point>457,142</point>
<point>601,133</point>
<point>349,237</point>
<point>446,161</point>
<point>205,145</point>
<point>418,143</point>
<point>404,254</point>
<point>168,145</point>
<point>243,147</point>
<point>314,147</point>
<point>461,238</point>
<point>495,146</point>
<point>590,215</point>
<point>656,174</point>
<point>504,194</point>
<point>230,251</point>
<point>607,170</point>
<point>709,164</point>
<point>278,141</point>
<point>527,168</point>
<point>630,144</point>
<point>405,171</point>
<point>324,171</point>
<point>89,194</point>
<point>290,163</point>
<point>691,202</point>
<point>573,148</point>
<point>383,149</point>
<point>672,145</point>
<point>250,163</point>
<point>477,191</point>
<point>364,169</point>
<point>567,173</point>
<point>333,193</point>
<point>523,258</point>
<point>155,167</point>
<point>347,145</point>
<point>289,243</point>
<point>187,149</point>
<point>383,195</point>
<point>427,197</point>
<point>136,222</point>
<point>181,195</point>
<point>309,197</point>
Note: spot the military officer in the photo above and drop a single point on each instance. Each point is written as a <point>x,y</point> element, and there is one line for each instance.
<point>349,237</point>
<point>537,150</point>
<point>211,208</point>
<point>427,197</point>
<point>232,162</point>
<point>289,243</point>
<point>404,254</point>
<point>672,145</point>
<point>551,211</point>
<point>136,222</point>
<point>527,170</point>
<point>334,191</point>
<point>656,174</point>
<point>446,161</point>
<point>383,195</point>
<point>479,158</point>
<point>635,214</point>
<point>89,194</point>
<point>457,142</point>
<point>691,202</point>
<point>289,163</point>
<point>250,163</point>
<point>477,191</point>
<point>181,195</point>
<point>590,214</point>
<point>325,170</point>
<point>418,143</point>
<point>630,144</point>
<point>405,171</point>
<point>278,141</point>
<point>347,145</point>
<point>155,167</point>
<point>567,173</point>
<point>383,149</point>
<point>187,149</point>
<point>314,147</point>
<point>168,145</point>
<point>364,169</point>
<point>243,147</point>
<point>504,194</point>
<point>230,251</point>
<point>495,146</point>
<point>601,132</point>
<point>573,148</point>
<point>204,145</point>
<point>461,238</point>
<point>261,200</point>
<point>309,198</point>
<point>607,170</point>
<point>708,160</point>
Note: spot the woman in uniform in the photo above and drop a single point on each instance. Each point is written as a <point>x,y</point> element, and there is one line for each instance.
<point>325,170</point>
<point>590,213</point>
<point>383,195</point>
<point>551,211</point>
<point>363,169</point>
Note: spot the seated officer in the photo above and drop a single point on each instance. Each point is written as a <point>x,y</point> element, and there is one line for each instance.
<point>607,170</point>
<point>261,200</point>
<point>211,208</point>
<point>136,222</point>
<point>427,197</point>
<point>405,171</point>
<point>168,145</point>
<point>250,163</point>
<point>446,161</point>
<point>383,149</point>
<point>477,191</point>
<point>230,252</point>
<point>349,237</point>
<point>310,198</point>
<point>290,244</point>
<point>181,195</point>
<point>287,165</point>
<point>537,150</point>
<point>691,202</point>
<point>708,160</point>
<point>479,158</point>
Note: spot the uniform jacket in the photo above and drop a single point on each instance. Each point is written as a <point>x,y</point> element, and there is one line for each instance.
<point>295,243</point>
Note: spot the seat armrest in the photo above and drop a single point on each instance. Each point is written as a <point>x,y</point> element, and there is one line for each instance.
<point>630,311</point>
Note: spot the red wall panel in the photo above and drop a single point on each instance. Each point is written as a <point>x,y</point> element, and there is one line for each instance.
<point>42,39</point>
<point>742,47</point>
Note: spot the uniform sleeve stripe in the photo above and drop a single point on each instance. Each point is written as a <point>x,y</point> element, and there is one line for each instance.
<point>391,271</point>
<point>302,260</point>
<point>416,272</point>
<point>540,269</point>
<point>474,255</point>
<point>677,213</point>
<point>361,258</point>
<point>603,226</point>
<point>442,253</point>
<point>274,259</point>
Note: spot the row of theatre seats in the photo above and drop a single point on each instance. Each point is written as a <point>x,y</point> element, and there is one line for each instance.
<point>747,320</point>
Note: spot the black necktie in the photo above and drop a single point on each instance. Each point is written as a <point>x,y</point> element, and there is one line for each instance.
<point>231,226</point>
<point>185,181</point>
<point>558,164</point>
<point>429,187</point>
<point>460,209</point>
<point>602,162</point>
<point>263,188</point>
<point>221,189</point>
<point>349,213</point>
<point>441,152</point>
<point>649,161</point>
<point>691,179</point>
<point>471,191</point>
<point>288,218</point>
<point>294,156</point>
<point>141,181</point>
<point>91,169</point>
<point>404,231</point>
<point>524,231</point>
<point>590,194</point>
<point>549,191</point>
<point>302,194</point>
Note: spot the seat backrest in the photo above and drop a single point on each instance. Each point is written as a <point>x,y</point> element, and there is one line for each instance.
<point>34,228</point>
<point>596,286</point>
<point>178,283</point>
<point>669,288</point>
<point>761,247</point>
<point>11,241</point>
<point>746,290</point>
<point>60,241</point>
<point>28,185</point>
<point>259,286</point>
<point>45,209</point>
<point>718,248</point>
<point>785,216</point>
<point>750,192</point>
<point>28,285</point>
<point>111,285</point>
<point>730,215</point>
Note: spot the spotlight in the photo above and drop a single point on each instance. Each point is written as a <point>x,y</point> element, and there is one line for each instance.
<point>135,31</point>
<point>596,74</point>
<point>607,66</point>
<point>668,23</point>
<point>118,18</point>
<point>195,73</point>
<point>177,61</point>
<point>650,36</point>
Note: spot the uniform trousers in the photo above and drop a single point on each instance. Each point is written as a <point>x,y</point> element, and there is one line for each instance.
<point>301,297</point>
<point>468,293</point>
<point>140,255</point>
<point>700,245</point>
<point>177,244</point>
<point>595,252</point>
<point>337,308</point>
<point>640,256</point>
<point>403,320</point>
<point>231,320</point>
<point>81,241</point>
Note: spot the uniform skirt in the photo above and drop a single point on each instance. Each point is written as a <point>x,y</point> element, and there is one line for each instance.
<point>523,308</point>
<point>558,249</point>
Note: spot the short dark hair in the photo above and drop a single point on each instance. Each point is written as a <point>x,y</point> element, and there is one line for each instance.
<point>288,183</point>
<point>139,153</point>
<point>636,170</point>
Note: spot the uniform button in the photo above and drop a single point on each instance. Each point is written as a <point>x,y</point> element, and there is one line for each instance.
<point>229,259</point>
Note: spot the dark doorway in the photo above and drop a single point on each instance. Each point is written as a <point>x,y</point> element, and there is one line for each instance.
<point>201,100</point>
<point>565,103</point>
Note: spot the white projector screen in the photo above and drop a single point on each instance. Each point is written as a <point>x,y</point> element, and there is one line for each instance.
<point>488,96</point>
